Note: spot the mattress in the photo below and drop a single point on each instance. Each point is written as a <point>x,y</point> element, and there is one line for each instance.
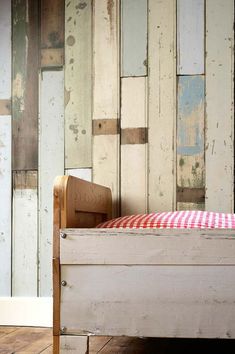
<point>177,219</point>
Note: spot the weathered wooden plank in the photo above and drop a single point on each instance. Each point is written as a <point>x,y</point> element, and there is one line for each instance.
<point>133,157</point>
<point>73,344</point>
<point>78,85</point>
<point>5,205</point>
<point>190,206</point>
<point>149,301</point>
<point>52,23</point>
<point>83,173</point>
<point>5,107</point>
<point>190,37</point>
<point>25,84</point>
<point>191,195</point>
<point>134,37</point>
<point>52,57</point>
<point>175,246</point>
<point>105,126</point>
<point>25,238</point>
<point>190,132</point>
<point>106,94</point>
<point>219,106</point>
<point>5,53</point>
<point>162,104</point>
<point>51,164</point>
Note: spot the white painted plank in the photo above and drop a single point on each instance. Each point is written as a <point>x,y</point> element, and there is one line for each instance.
<point>162,104</point>
<point>5,52</point>
<point>25,236</point>
<point>106,94</point>
<point>83,173</point>
<point>133,157</point>
<point>73,344</point>
<point>190,37</point>
<point>106,59</point>
<point>134,37</point>
<point>51,164</point>
<point>5,205</point>
<point>78,86</point>
<point>149,301</point>
<point>220,106</point>
<point>175,246</point>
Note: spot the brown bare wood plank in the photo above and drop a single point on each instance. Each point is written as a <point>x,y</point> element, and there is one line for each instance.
<point>96,344</point>
<point>7,330</point>
<point>105,126</point>
<point>25,84</point>
<point>48,350</point>
<point>52,24</point>
<point>52,57</point>
<point>134,136</point>
<point>5,107</point>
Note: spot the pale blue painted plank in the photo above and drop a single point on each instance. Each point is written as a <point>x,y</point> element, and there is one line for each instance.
<point>190,131</point>
<point>134,37</point>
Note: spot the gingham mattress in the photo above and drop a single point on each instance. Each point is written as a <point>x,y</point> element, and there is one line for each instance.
<point>173,220</point>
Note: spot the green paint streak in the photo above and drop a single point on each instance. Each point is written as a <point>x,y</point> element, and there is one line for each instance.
<point>19,39</point>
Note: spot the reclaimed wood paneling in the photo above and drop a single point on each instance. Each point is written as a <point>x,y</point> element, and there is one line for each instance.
<point>5,52</point>
<point>5,148</point>
<point>51,164</point>
<point>162,104</point>
<point>134,37</point>
<point>190,133</point>
<point>25,238</point>
<point>25,84</point>
<point>78,85</point>
<point>83,173</point>
<point>52,24</point>
<point>106,94</point>
<point>133,156</point>
<point>219,106</point>
<point>190,37</point>
<point>5,205</point>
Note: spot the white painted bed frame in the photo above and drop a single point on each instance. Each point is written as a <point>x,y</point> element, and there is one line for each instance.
<point>151,283</point>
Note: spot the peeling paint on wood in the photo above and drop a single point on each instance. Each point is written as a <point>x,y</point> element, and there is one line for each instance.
<point>51,164</point>
<point>220,106</point>
<point>25,85</point>
<point>190,132</point>
<point>78,83</point>
<point>25,238</point>
<point>52,23</point>
<point>133,157</point>
<point>190,37</point>
<point>134,37</point>
<point>106,94</point>
<point>5,205</point>
<point>162,104</point>
<point>5,52</point>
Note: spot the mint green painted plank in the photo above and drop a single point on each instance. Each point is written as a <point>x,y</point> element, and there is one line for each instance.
<point>134,37</point>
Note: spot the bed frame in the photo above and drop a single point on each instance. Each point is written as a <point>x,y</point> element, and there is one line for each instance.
<point>146,283</point>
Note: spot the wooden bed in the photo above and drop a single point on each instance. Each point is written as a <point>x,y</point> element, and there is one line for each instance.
<point>146,283</point>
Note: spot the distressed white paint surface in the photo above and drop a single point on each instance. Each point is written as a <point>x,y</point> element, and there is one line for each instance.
<point>152,301</point>
<point>73,344</point>
<point>162,104</point>
<point>78,71</point>
<point>5,205</point>
<point>5,52</point>
<point>134,37</point>
<point>25,241</point>
<point>190,37</point>
<point>219,106</point>
<point>51,164</point>
<point>133,157</point>
<point>106,59</point>
<point>83,173</point>
<point>106,94</point>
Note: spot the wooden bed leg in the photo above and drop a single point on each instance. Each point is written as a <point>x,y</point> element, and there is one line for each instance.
<point>74,344</point>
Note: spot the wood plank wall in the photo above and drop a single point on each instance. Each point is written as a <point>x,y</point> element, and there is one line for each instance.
<point>133,94</point>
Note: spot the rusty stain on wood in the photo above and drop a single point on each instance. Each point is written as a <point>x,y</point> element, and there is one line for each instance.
<point>105,126</point>
<point>52,24</point>
<point>52,57</point>
<point>134,136</point>
<point>5,107</point>
<point>25,85</point>
<point>190,195</point>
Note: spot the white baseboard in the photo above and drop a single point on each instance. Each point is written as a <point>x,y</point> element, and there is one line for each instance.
<point>26,311</point>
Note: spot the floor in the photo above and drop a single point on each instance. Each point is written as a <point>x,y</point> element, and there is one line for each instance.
<point>21,340</point>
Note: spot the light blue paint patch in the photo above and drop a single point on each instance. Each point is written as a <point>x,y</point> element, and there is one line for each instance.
<point>191,95</point>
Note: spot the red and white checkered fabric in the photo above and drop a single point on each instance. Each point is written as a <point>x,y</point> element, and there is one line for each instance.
<point>172,220</point>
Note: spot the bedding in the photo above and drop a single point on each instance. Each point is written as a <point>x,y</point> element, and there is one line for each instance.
<point>177,219</point>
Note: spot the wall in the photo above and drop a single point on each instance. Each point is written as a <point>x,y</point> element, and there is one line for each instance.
<point>133,94</point>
